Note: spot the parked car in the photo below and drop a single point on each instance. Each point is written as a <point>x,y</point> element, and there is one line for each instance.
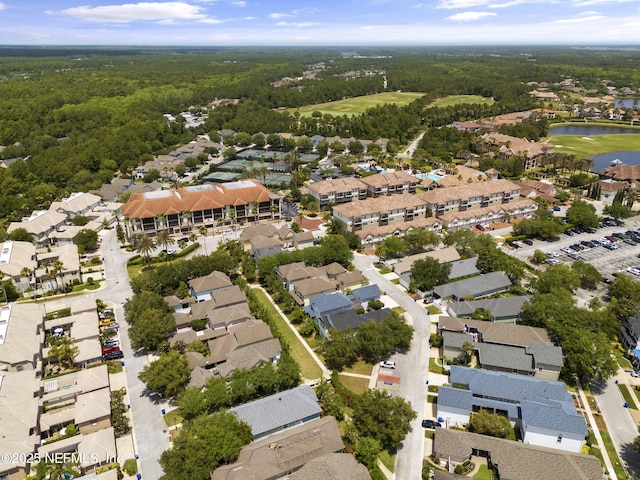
<point>574,256</point>
<point>388,364</point>
<point>553,254</point>
<point>569,232</point>
<point>633,243</point>
<point>480,227</point>
<point>526,241</point>
<point>634,271</point>
<point>108,350</point>
<point>430,424</point>
<point>551,261</point>
<point>635,374</point>
<point>111,342</point>
<point>606,280</point>
<point>113,355</point>
<point>105,321</point>
<point>113,326</point>
<point>566,250</point>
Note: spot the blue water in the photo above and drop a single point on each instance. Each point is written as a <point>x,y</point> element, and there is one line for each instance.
<point>587,130</point>
<point>430,176</point>
<point>604,160</point>
<point>626,102</point>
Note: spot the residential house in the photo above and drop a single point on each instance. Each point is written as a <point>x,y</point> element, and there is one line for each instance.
<point>40,224</point>
<point>202,287</point>
<point>390,183</point>
<point>610,188</point>
<point>352,319</point>
<point>18,261</point>
<point>263,230</point>
<point>372,235</point>
<point>379,212</point>
<point>248,356</point>
<point>529,151</point>
<point>367,293</point>
<point>46,276</point>
<point>463,175</point>
<point>265,246</point>
<point>76,204</point>
<point>332,466</point>
<point>349,280</point>
<point>21,327</point>
<point>630,337</point>
<point>296,271</point>
<point>303,240</point>
<point>475,287</point>
<point>327,304</point>
<point>337,191</point>
<point>524,208</point>
<point>543,410</point>
<point>303,290</point>
<point>109,192</point>
<point>284,454</point>
<point>514,460</point>
<point>188,208</point>
<point>279,412</point>
<point>501,309</point>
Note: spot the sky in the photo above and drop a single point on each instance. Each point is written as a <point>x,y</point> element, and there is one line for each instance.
<point>319,22</point>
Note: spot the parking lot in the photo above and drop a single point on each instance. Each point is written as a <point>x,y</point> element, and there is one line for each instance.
<point>606,261</point>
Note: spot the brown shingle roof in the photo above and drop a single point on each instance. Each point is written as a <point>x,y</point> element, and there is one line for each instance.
<point>379,204</point>
<point>209,282</point>
<point>345,184</point>
<point>391,178</point>
<point>452,194</point>
<point>497,332</point>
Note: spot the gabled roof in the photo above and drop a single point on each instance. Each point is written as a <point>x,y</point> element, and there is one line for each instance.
<point>276,455</point>
<point>326,302</point>
<point>391,178</point>
<point>499,307</point>
<point>463,268</point>
<point>332,466</point>
<point>516,459</point>
<point>210,282</point>
<point>495,332</point>
<point>275,411</point>
<point>350,318</point>
<point>474,286</point>
<point>92,406</point>
<point>366,293</point>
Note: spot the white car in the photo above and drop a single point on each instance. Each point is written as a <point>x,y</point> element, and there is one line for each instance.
<point>388,364</point>
<point>553,254</point>
<point>633,270</point>
<point>566,250</point>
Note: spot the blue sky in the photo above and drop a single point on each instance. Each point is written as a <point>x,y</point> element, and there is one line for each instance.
<point>319,22</point>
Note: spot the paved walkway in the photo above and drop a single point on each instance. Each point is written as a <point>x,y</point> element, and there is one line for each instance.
<point>596,432</point>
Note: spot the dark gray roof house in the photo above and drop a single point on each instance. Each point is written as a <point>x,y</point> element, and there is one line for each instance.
<point>366,293</point>
<point>327,304</point>
<point>502,309</point>
<point>350,318</point>
<point>478,286</point>
<point>463,268</point>
<point>278,412</point>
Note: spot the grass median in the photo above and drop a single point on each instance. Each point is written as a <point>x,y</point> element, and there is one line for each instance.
<point>308,366</point>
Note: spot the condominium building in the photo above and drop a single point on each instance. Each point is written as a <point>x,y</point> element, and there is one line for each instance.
<point>337,191</point>
<point>390,183</point>
<point>380,211</point>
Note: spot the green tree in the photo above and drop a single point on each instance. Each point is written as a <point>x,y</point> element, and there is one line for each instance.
<point>367,451</point>
<point>383,417</point>
<point>582,214</point>
<point>64,350</point>
<point>341,349</point>
<point>419,238</point>
<point>556,278</point>
<point>331,403</point>
<point>85,239</point>
<point>588,274</point>
<point>144,245</point>
<point>618,210</point>
<point>136,305</point>
<point>167,375</point>
<point>429,272</point>
<point>391,247</point>
<point>119,419</point>
<point>539,256</point>
<point>204,444</point>
<point>21,235</point>
<point>164,239</point>
<point>151,328</point>
<point>462,239</point>
<point>625,296</point>
<point>482,314</point>
<point>490,424</point>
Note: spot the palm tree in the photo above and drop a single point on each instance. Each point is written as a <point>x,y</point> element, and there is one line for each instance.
<point>273,209</point>
<point>57,271</point>
<point>254,211</point>
<point>164,239</point>
<point>46,470</point>
<point>632,197</point>
<point>144,246</point>
<point>64,350</point>
<point>203,232</point>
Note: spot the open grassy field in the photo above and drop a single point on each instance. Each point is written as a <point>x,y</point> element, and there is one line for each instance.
<point>585,147</point>
<point>355,384</point>
<point>308,367</point>
<point>358,105</point>
<point>457,99</point>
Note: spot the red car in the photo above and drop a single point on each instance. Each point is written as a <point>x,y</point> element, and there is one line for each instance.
<point>107,350</point>
<point>480,227</point>
<point>611,239</point>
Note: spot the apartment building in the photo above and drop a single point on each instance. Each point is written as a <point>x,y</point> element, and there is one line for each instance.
<point>390,183</point>
<point>337,191</point>
<point>380,211</point>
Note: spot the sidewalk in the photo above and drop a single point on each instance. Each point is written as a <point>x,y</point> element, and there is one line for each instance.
<point>596,432</point>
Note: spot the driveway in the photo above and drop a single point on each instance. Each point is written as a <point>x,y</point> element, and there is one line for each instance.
<point>412,367</point>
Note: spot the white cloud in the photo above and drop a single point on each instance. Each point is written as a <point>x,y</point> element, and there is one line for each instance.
<point>470,16</point>
<point>369,27</point>
<point>2,6</point>
<point>210,21</point>
<point>279,15</point>
<point>584,3</point>
<point>581,19</point>
<point>451,4</point>
<point>296,24</point>
<point>239,4</point>
<point>132,12</point>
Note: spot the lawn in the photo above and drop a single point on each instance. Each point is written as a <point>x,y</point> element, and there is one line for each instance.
<point>434,367</point>
<point>388,460</point>
<point>172,418</point>
<point>458,99</point>
<point>308,366</point>
<point>484,473</point>
<point>433,310</point>
<point>358,105</point>
<point>360,367</point>
<point>613,455</point>
<point>626,394</point>
<point>585,147</point>
<point>355,384</point>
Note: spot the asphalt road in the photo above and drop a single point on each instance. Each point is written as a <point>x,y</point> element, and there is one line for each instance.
<point>411,366</point>
<point>620,424</point>
<point>149,430</point>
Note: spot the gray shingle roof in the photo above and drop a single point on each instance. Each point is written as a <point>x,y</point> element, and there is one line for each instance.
<point>553,416</point>
<point>284,408</point>
<point>475,286</point>
<point>366,293</point>
<point>504,307</point>
<point>328,302</point>
<point>463,268</point>
<point>546,353</point>
<point>517,459</point>
<point>504,356</point>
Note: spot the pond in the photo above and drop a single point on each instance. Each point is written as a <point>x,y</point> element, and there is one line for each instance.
<point>627,102</point>
<point>604,160</point>
<point>588,130</point>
